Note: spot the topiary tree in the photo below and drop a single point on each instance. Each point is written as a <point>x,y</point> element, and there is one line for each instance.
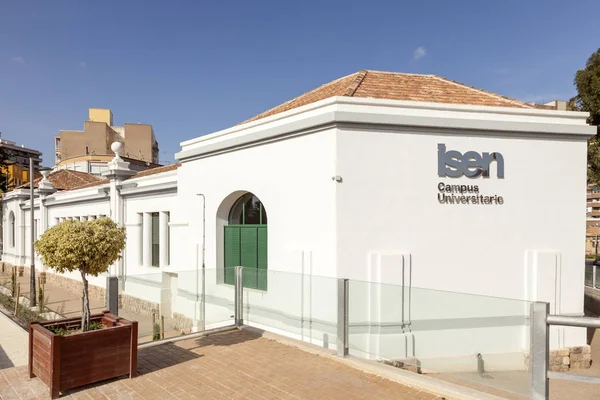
<point>89,247</point>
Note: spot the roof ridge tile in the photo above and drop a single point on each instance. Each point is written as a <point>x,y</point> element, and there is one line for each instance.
<point>360,77</point>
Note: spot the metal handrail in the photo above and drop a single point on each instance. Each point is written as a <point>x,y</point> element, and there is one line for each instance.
<point>540,341</point>
<point>580,322</point>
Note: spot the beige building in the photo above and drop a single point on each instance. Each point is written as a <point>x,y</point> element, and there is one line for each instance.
<point>99,133</point>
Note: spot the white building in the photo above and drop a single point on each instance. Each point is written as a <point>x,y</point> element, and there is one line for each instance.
<point>422,191</point>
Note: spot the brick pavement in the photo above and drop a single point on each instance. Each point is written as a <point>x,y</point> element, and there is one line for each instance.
<point>231,365</point>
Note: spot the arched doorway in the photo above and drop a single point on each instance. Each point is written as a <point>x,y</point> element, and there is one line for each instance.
<point>245,242</point>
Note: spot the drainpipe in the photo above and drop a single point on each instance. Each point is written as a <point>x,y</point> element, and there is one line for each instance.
<point>203,264</point>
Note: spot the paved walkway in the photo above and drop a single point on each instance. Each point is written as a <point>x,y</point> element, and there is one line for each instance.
<point>13,344</point>
<point>232,365</point>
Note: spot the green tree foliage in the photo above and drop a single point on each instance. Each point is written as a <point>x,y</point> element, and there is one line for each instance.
<point>587,81</point>
<point>89,247</point>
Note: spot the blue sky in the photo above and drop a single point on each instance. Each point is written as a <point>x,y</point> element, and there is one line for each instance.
<point>191,68</point>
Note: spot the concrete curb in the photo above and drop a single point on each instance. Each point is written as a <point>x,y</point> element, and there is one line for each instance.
<point>417,381</point>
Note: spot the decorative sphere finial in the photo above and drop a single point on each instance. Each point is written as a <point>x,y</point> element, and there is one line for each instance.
<point>116,147</point>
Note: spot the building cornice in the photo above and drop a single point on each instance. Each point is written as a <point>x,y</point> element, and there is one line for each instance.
<point>393,113</point>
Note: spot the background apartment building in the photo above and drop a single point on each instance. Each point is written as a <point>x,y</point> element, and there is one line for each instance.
<point>16,166</point>
<point>592,219</point>
<point>89,150</point>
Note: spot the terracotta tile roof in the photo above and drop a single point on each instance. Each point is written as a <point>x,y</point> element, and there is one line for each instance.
<point>65,179</point>
<point>398,86</point>
<point>92,184</point>
<point>157,170</point>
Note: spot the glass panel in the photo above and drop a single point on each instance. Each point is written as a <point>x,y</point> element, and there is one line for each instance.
<point>453,336</point>
<point>597,276</point>
<point>301,306</point>
<point>173,302</point>
<point>589,275</point>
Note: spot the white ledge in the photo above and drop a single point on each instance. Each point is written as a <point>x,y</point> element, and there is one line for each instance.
<point>465,119</point>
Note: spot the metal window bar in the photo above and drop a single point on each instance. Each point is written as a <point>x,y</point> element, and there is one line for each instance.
<point>540,338</point>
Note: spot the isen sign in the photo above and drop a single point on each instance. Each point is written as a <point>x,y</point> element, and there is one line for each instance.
<point>453,164</point>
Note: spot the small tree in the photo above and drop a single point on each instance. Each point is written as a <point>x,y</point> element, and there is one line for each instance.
<point>587,82</point>
<point>89,247</point>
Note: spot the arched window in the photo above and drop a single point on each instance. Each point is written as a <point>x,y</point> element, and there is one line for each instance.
<point>248,210</point>
<point>11,219</point>
<point>245,242</point>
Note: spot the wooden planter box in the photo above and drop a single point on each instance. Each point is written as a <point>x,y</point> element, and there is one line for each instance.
<point>65,362</point>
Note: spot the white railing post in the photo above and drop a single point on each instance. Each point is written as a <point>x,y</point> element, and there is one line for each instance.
<point>539,352</point>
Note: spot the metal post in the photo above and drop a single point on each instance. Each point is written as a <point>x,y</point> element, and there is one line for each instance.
<point>32,291</point>
<point>112,294</point>
<point>593,276</point>
<point>238,306</point>
<point>596,240</point>
<point>342,319</point>
<point>540,339</point>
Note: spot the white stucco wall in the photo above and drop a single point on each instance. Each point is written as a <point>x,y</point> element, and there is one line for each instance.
<point>388,205</point>
<point>292,178</point>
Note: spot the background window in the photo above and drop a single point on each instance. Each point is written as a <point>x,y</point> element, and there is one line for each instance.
<point>11,218</point>
<point>155,239</point>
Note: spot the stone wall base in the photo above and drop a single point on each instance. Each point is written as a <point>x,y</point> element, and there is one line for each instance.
<point>182,323</point>
<point>126,302</point>
<point>567,359</point>
<point>72,285</point>
<point>412,365</point>
<point>138,306</point>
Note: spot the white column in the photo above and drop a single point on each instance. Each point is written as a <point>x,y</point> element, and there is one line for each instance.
<point>147,240</point>
<point>114,195</point>
<point>44,215</point>
<point>163,232</point>
<point>135,239</point>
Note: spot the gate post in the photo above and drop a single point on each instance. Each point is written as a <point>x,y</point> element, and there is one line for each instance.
<point>112,294</point>
<point>540,341</point>
<point>342,318</point>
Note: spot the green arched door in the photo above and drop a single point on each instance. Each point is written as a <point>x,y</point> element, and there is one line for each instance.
<point>246,242</point>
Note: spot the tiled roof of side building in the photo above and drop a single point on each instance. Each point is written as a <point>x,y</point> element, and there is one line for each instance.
<point>157,170</point>
<point>398,86</point>
<point>65,179</point>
